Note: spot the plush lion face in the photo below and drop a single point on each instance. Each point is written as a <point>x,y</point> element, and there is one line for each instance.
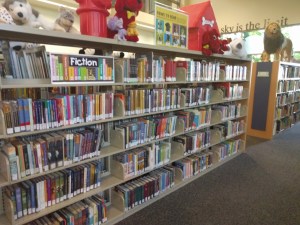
<point>273,30</point>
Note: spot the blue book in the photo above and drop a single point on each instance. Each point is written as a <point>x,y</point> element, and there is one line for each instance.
<point>21,114</point>
<point>18,195</point>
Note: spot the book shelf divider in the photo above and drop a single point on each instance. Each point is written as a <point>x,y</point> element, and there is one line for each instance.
<point>177,149</point>
<point>216,116</point>
<point>119,73</point>
<point>4,169</point>
<point>222,75</point>
<point>2,124</point>
<point>179,126</point>
<point>117,200</point>
<point>216,137</point>
<point>244,110</point>
<point>181,74</point>
<point>119,108</point>
<point>117,139</point>
<point>242,146</point>
<point>117,170</point>
<point>178,175</point>
<point>245,93</point>
<point>9,209</point>
<point>216,96</point>
<point>182,100</point>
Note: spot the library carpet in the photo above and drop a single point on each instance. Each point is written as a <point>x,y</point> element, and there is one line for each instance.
<point>258,187</point>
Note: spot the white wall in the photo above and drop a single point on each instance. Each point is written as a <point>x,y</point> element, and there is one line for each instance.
<point>237,14</point>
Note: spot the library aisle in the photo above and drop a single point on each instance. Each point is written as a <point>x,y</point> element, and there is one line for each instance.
<point>258,187</point>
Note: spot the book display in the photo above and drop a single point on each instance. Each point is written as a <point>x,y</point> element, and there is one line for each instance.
<point>275,91</point>
<point>93,139</point>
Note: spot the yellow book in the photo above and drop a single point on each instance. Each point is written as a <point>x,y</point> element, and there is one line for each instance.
<point>71,73</point>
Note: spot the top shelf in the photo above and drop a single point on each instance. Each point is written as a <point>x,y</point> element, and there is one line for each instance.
<point>27,34</point>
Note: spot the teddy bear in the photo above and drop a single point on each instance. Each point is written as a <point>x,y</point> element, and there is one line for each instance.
<point>23,14</point>
<point>211,43</point>
<point>127,10</point>
<point>65,21</point>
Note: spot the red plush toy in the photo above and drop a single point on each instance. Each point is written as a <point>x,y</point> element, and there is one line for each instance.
<point>127,10</point>
<point>211,43</point>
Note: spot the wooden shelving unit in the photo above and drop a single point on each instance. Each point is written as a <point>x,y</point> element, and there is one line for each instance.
<point>274,95</point>
<point>115,176</point>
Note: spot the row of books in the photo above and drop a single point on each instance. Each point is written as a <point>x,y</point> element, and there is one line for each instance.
<point>226,149</point>
<point>228,110</point>
<point>139,101</point>
<point>230,128</point>
<point>145,188</point>
<point>200,71</point>
<point>36,154</point>
<point>288,72</point>
<point>74,68</point>
<point>143,130</point>
<point>91,210</point>
<point>230,90</point>
<point>195,118</point>
<point>196,95</point>
<point>149,68</point>
<point>283,123</point>
<point>296,107</point>
<point>32,196</point>
<point>194,141</point>
<point>194,164</point>
<point>288,85</point>
<point>23,61</point>
<point>235,72</point>
<point>287,98</point>
<point>29,115</point>
<point>146,158</point>
<point>286,110</point>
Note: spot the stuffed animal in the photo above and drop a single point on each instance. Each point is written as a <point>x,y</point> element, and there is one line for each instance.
<point>116,24</point>
<point>23,14</point>
<point>5,17</point>
<point>211,43</point>
<point>65,21</point>
<point>276,43</point>
<point>237,48</point>
<point>127,10</point>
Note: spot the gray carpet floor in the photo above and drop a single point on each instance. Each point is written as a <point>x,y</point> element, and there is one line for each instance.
<point>259,187</point>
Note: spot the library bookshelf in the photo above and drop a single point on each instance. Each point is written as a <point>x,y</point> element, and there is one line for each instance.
<point>274,98</point>
<point>217,138</point>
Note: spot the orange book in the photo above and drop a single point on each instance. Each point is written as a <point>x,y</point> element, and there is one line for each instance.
<point>65,63</point>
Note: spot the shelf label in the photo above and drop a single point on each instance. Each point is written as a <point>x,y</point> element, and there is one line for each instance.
<point>263,74</point>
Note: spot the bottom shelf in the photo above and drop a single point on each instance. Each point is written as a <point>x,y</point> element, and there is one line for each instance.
<point>115,215</point>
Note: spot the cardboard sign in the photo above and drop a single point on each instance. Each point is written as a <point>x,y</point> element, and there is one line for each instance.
<point>171,27</point>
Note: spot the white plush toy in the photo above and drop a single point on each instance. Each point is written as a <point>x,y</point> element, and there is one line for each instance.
<point>237,48</point>
<point>23,14</point>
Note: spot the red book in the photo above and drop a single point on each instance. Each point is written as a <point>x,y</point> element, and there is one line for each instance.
<point>183,64</point>
<point>225,87</point>
<point>169,69</point>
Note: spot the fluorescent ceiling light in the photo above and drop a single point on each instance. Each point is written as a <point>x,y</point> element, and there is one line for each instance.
<point>57,4</point>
